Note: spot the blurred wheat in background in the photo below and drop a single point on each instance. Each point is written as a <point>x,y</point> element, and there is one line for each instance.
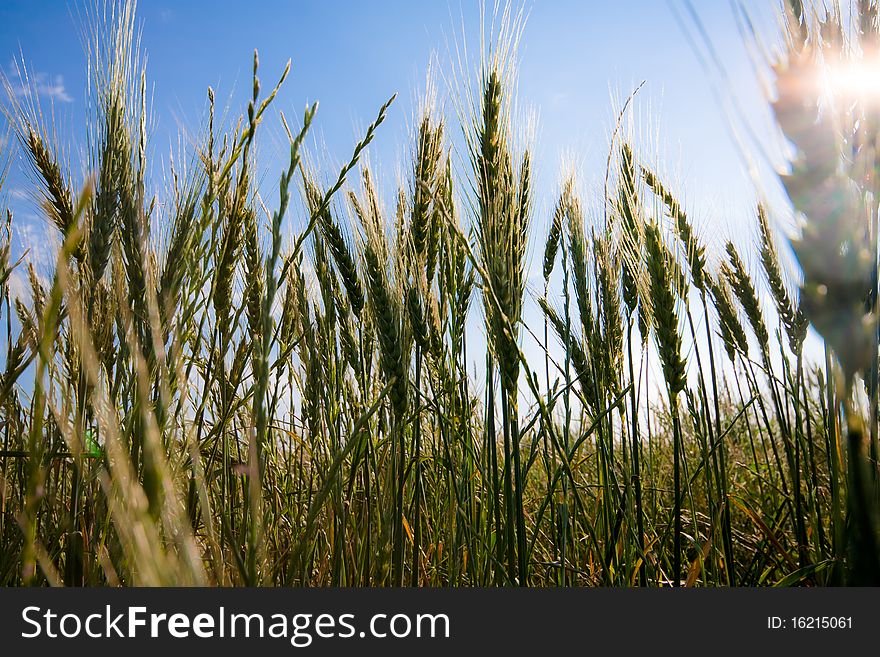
<point>199,394</point>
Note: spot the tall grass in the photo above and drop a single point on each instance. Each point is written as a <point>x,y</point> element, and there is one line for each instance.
<point>203,391</point>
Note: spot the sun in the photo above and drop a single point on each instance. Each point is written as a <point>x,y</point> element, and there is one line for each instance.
<point>856,79</point>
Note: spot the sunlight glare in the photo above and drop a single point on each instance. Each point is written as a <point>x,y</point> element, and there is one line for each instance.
<point>856,80</point>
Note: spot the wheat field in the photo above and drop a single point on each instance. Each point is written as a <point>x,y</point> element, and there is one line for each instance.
<point>331,389</point>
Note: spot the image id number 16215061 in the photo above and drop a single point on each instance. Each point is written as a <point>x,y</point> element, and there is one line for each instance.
<point>809,623</point>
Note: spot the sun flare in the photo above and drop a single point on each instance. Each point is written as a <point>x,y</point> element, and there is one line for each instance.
<point>855,79</point>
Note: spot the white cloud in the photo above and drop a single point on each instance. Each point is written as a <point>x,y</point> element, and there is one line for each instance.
<point>52,87</point>
<point>19,287</point>
<point>23,83</point>
<point>39,240</point>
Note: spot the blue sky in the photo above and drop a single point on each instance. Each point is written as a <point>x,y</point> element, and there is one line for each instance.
<point>575,58</point>
<point>576,61</point>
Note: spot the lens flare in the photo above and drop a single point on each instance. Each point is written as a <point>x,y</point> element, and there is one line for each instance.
<point>857,79</point>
